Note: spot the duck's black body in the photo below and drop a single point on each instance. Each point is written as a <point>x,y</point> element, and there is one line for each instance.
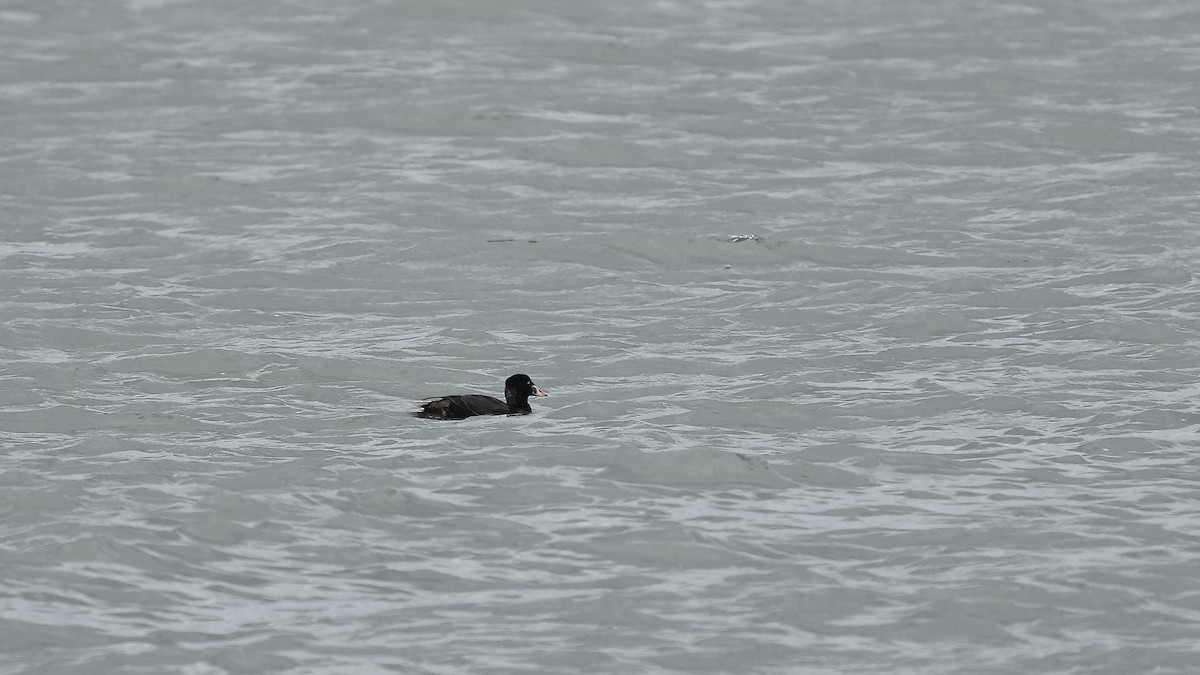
<point>517,390</point>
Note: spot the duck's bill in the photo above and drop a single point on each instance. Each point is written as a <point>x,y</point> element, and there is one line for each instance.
<point>538,391</point>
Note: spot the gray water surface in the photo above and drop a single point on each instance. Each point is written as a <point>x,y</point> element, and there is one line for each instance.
<point>871,333</point>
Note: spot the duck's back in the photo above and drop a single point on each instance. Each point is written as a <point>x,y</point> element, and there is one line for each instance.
<point>458,407</point>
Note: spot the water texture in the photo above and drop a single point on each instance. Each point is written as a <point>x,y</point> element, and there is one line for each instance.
<point>871,333</point>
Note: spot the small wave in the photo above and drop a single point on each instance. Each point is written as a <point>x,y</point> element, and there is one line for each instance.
<point>701,466</point>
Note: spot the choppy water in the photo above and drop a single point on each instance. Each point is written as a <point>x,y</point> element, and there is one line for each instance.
<point>870,328</point>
